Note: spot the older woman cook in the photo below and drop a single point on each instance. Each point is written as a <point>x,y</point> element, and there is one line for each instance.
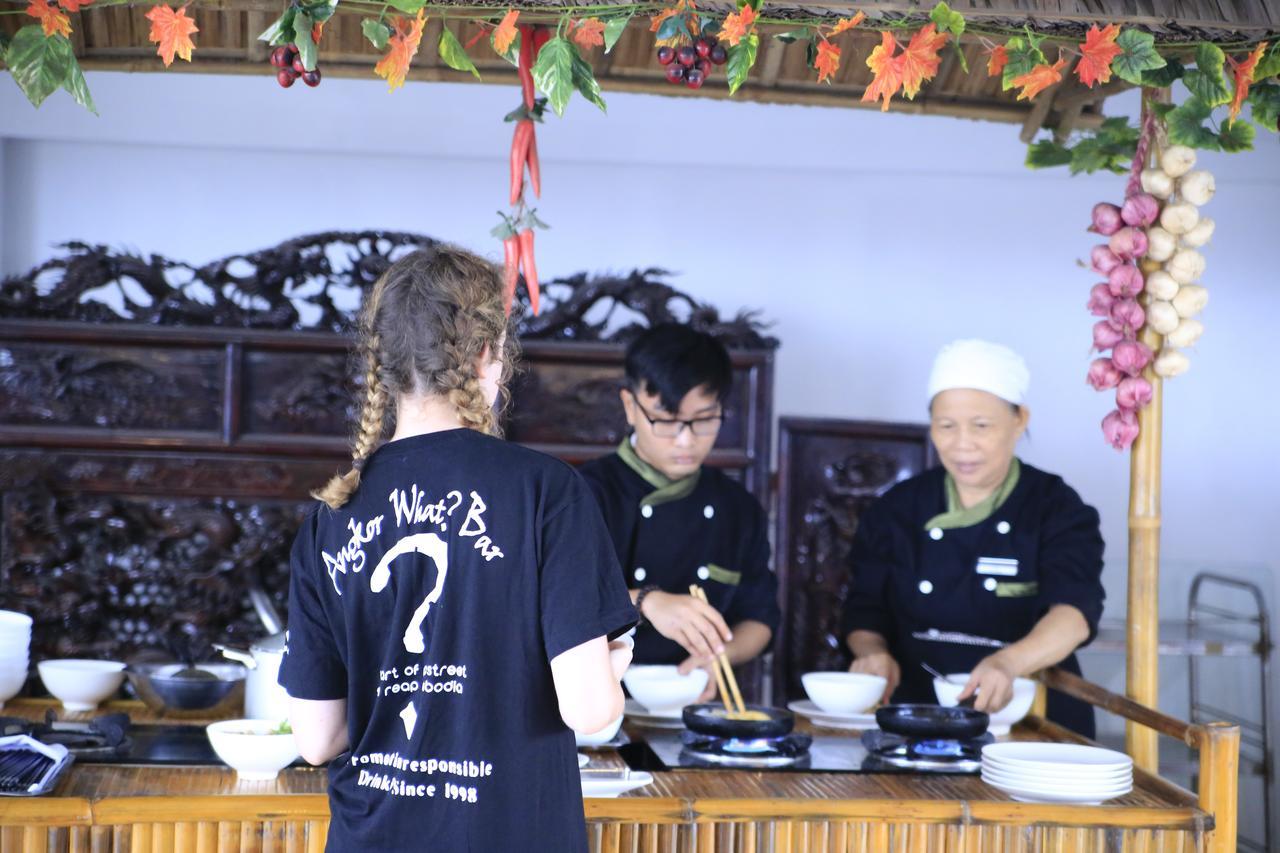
<point>985,565</point>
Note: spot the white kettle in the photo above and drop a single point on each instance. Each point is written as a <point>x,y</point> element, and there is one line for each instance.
<point>264,698</point>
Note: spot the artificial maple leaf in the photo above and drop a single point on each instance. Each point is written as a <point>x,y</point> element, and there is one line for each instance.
<point>506,32</point>
<point>655,22</point>
<point>51,19</point>
<point>887,70</point>
<point>827,61</point>
<point>999,58</point>
<point>401,49</point>
<point>1243,73</point>
<point>74,5</point>
<point>1039,78</point>
<point>317,30</point>
<point>171,29</point>
<point>919,59</point>
<point>1096,54</point>
<point>738,25</point>
<point>589,33</point>
<point>847,24</point>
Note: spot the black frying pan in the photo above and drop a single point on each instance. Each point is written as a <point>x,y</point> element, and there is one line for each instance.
<point>932,722</point>
<point>710,719</point>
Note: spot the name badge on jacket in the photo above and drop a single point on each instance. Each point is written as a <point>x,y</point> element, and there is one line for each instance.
<point>1005,567</point>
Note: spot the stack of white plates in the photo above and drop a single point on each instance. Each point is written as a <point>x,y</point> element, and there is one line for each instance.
<point>15,653</point>
<point>1057,772</point>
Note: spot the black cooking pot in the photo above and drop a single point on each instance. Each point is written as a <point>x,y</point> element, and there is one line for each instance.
<point>932,722</point>
<point>711,719</point>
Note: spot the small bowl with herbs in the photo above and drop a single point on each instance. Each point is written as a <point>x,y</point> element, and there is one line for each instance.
<point>257,749</point>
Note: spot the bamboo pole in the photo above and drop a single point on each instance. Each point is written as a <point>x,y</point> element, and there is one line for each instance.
<point>1219,783</point>
<point>1142,662</point>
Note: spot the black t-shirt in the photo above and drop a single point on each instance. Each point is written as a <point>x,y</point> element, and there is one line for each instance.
<point>433,603</point>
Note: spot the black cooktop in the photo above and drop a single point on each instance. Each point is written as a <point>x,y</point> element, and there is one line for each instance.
<point>114,739</point>
<point>826,754</point>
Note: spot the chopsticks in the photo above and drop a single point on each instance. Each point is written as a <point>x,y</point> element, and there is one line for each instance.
<point>722,661</point>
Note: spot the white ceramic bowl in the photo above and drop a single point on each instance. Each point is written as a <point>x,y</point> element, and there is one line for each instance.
<point>661,688</point>
<point>11,683</point>
<point>1024,693</point>
<point>11,621</point>
<point>601,737</point>
<point>253,747</point>
<point>843,692</point>
<point>81,684</point>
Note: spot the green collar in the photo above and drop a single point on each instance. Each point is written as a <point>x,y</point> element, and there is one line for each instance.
<point>665,488</point>
<point>959,516</point>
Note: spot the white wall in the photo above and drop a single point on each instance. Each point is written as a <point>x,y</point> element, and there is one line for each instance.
<point>870,239</point>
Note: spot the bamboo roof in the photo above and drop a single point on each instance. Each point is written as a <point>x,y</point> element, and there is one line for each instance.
<point>115,38</point>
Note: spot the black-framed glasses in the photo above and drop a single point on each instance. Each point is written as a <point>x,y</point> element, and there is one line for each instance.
<point>672,427</point>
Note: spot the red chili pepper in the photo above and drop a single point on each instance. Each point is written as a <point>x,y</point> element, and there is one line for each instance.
<point>525,67</point>
<point>541,35</point>
<point>519,154</point>
<point>530,268</point>
<point>535,170</point>
<point>511,272</point>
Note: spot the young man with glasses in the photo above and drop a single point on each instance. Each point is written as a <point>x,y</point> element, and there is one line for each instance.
<point>676,522</point>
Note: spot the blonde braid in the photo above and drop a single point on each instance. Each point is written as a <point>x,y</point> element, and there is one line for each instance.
<point>373,414</point>
<point>473,411</point>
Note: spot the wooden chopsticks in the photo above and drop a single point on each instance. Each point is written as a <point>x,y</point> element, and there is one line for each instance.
<point>722,663</point>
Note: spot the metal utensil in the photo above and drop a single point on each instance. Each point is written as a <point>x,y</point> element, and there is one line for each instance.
<point>963,703</point>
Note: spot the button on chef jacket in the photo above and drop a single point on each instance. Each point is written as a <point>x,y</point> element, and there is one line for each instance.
<point>948,597</point>
<point>705,529</point>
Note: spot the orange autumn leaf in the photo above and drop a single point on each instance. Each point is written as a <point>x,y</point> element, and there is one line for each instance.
<point>887,70</point>
<point>999,58</point>
<point>655,22</point>
<point>74,5</point>
<point>401,49</point>
<point>171,29</point>
<point>1097,53</point>
<point>827,61</point>
<point>506,32</point>
<point>51,18</point>
<point>847,24</point>
<point>589,33</point>
<point>1243,73</point>
<point>738,25</point>
<point>1038,79</point>
<point>317,30</point>
<point>919,59</point>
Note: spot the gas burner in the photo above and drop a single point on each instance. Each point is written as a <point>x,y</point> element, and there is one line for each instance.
<point>784,751</point>
<point>887,751</point>
<point>99,739</point>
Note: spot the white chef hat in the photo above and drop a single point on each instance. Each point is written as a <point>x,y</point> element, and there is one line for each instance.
<point>983,366</point>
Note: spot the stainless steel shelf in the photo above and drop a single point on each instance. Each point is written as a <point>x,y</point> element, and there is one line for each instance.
<point>1181,638</point>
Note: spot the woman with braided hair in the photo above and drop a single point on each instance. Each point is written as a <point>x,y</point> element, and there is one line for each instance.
<point>454,599</point>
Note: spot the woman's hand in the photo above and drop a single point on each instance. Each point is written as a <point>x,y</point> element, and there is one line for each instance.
<point>883,665</point>
<point>694,624</point>
<point>992,681</point>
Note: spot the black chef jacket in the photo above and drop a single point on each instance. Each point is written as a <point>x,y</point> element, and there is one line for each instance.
<point>715,536</point>
<point>951,597</point>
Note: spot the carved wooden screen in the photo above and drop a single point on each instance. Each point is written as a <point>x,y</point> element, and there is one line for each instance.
<point>155,457</point>
<point>829,472</point>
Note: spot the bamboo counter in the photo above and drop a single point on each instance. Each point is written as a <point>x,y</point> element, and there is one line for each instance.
<point>99,807</point>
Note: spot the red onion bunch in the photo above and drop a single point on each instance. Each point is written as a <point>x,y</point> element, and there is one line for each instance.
<point>1116,302</point>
